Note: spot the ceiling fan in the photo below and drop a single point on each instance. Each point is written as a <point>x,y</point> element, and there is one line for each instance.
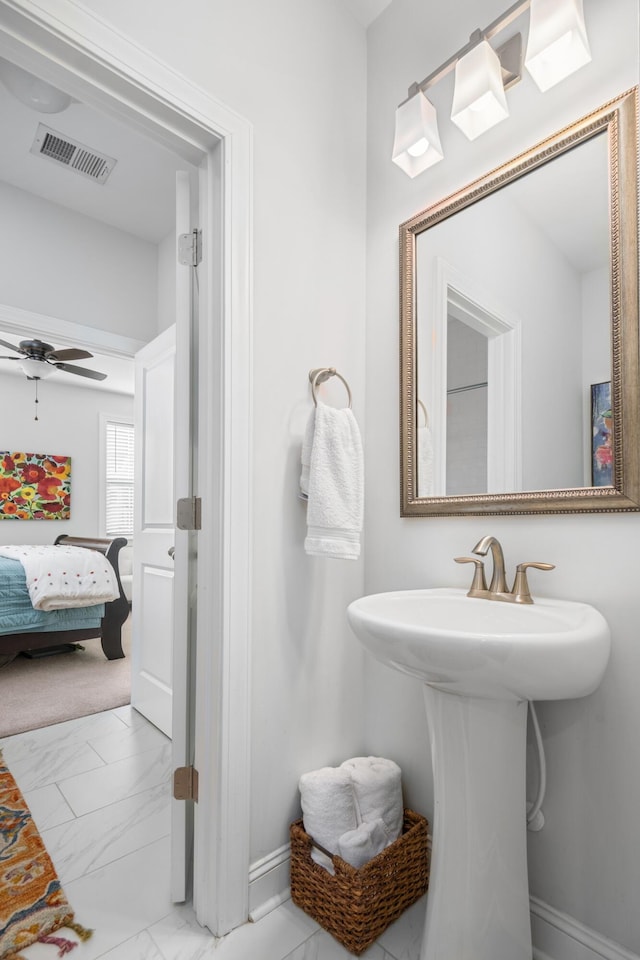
<point>39,360</point>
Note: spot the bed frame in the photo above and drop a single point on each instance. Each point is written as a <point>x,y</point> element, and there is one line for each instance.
<point>115,612</point>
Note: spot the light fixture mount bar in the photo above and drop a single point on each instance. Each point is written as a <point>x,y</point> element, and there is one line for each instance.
<point>495,27</point>
<point>515,10</point>
<point>510,56</point>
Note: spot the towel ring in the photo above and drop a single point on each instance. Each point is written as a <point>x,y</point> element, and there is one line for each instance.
<point>320,374</point>
<point>424,410</point>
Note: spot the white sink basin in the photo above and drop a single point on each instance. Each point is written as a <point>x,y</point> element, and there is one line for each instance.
<point>480,661</point>
<point>548,650</point>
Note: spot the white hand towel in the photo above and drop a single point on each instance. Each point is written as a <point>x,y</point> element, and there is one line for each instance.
<point>377,786</point>
<point>334,483</point>
<point>364,843</point>
<point>328,808</point>
<point>307,444</point>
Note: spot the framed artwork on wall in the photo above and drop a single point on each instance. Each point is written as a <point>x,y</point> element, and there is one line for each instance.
<point>601,435</point>
<point>34,486</point>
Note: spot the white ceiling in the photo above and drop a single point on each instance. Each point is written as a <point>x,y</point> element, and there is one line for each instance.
<point>138,198</point>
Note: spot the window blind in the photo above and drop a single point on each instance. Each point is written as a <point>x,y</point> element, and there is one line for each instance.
<point>119,479</point>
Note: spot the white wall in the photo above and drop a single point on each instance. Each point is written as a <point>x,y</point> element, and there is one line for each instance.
<point>59,263</point>
<point>68,425</point>
<point>586,860</point>
<point>296,70</point>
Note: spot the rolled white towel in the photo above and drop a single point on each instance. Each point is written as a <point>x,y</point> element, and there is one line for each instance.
<point>364,843</point>
<point>328,808</point>
<point>377,785</point>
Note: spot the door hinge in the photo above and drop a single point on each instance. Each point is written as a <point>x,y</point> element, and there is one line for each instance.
<point>185,784</point>
<point>190,248</point>
<point>189,513</point>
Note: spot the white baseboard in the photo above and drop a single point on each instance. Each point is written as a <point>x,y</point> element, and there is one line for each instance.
<point>557,936</point>
<point>269,883</point>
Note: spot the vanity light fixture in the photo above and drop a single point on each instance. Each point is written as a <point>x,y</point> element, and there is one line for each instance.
<point>479,100</point>
<point>558,44</point>
<point>556,48</point>
<point>417,142</point>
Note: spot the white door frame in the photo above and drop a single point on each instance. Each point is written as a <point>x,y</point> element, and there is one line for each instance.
<point>73,48</point>
<point>479,310</point>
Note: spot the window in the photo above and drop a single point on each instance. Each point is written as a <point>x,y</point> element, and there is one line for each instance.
<point>118,477</point>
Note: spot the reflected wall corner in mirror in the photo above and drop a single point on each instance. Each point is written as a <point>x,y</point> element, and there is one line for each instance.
<point>520,385</point>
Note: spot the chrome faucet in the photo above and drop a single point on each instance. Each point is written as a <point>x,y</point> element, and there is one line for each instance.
<point>497,589</point>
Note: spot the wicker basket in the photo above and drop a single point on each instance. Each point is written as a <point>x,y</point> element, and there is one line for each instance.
<point>356,906</point>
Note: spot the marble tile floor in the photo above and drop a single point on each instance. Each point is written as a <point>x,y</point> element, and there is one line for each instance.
<point>98,789</point>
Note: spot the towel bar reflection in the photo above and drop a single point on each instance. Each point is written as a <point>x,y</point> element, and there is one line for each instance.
<point>320,374</point>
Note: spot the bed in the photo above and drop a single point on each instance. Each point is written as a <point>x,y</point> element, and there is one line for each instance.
<point>102,621</point>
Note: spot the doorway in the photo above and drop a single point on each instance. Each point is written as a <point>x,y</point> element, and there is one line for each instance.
<point>485,365</point>
<point>86,61</point>
<point>68,425</point>
<point>102,255</point>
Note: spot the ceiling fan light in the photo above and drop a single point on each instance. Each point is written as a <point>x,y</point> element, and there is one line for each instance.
<point>36,369</point>
<point>417,141</point>
<point>558,43</point>
<point>479,100</point>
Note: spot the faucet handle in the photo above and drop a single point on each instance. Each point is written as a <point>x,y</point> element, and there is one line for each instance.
<point>478,584</point>
<point>520,590</point>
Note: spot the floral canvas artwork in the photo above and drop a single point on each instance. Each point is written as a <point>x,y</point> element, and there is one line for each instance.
<point>601,435</point>
<point>34,486</point>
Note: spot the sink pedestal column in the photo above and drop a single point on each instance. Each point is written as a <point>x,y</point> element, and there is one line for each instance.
<point>478,902</point>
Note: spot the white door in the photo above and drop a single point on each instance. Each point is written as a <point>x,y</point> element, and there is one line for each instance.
<point>154,534</point>
<point>160,610</point>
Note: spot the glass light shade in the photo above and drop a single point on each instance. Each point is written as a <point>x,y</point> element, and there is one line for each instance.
<point>417,142</point>
<point>31,91</point>
<point>479,100</point>
<point>558,44</point>
<point>37,369</point>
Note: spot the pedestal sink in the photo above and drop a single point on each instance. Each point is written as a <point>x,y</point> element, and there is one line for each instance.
<point>480,661</point>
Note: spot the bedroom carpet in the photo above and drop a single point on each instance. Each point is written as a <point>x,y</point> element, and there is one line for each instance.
<point>37,693</point>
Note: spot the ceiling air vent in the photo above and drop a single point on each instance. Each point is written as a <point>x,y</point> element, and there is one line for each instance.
<point>72,154</point>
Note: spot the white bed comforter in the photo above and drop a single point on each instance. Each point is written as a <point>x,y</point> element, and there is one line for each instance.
<point>63,576</point>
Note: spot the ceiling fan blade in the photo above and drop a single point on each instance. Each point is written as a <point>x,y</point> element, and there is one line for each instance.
<point>71,354</point>
<point>11,346</point>
<point>81,371</point>
<point>10,358</point>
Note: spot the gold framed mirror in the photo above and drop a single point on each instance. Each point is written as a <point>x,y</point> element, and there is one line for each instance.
<point>520,389</point>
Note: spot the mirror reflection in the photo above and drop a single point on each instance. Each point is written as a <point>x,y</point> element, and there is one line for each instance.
<point>513,322</point>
